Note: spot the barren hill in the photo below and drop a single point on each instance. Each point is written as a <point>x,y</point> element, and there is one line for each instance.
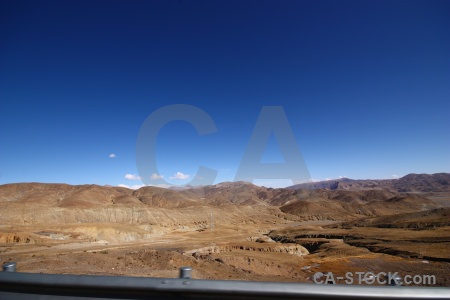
<point>439,182</point>
<point>437,217</point>
<point>348,205</point>
<point>258,232</point>
<point>162,209</point>
<point>26,203</point>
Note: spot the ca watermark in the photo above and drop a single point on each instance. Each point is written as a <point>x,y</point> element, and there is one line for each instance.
<point>271,120</point>
<point>370,278</point>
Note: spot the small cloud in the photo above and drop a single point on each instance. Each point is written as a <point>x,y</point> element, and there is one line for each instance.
<point>180,176</point>
<point>112,155</point>
<point>395,176</point>
<point>327,179</point>
<point>132,177</point>
<point>132,187</point>
<point>156,176</point>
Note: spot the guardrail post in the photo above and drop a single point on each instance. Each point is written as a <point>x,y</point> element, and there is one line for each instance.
<point>9,267</point>
<point>185,272</point>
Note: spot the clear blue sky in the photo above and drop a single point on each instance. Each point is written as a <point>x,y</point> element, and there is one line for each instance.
<point>365,85</point>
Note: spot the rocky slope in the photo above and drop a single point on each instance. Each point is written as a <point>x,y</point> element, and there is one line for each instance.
<point>439,182</point>
<point>230,202</point>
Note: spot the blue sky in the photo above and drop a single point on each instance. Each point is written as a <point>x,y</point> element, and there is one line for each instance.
<point>364,85</point>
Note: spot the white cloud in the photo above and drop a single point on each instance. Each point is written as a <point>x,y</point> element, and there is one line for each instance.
<point>180,176</point>
<point>132,177</point>
<point>327,179</point>
<point>112,155</point>
<point>133,187</point>
<point>156,176</point>
<point>395,176</point>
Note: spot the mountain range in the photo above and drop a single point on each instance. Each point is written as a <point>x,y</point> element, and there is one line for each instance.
<point>439,182</point>
<point>339,200</point>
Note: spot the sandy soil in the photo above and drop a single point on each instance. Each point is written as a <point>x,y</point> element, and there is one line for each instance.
<point>290,252</point>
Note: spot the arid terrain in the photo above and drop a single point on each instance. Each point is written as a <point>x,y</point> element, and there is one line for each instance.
<point>235,231</point>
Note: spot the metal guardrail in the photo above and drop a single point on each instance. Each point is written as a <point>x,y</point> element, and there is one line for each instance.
<point>16,285</point>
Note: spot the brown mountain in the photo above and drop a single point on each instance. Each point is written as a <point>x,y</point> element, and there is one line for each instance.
<point>350,205</point>
<point>85,203</point>
<point>439,182</point>
<point>437,217</point>
<point>40,203</point>
<point>240,193</point>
